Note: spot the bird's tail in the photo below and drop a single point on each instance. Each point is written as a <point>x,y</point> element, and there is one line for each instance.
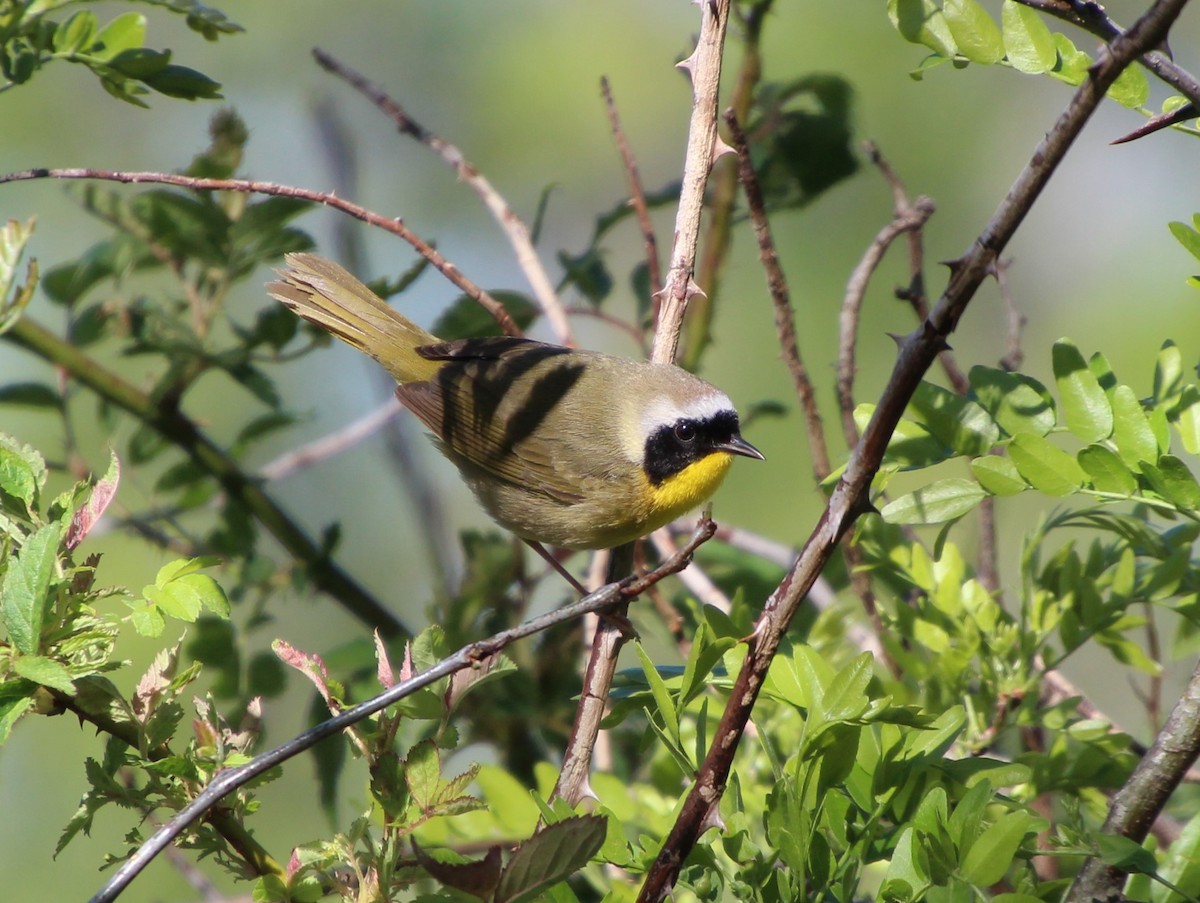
<point>327,295</point>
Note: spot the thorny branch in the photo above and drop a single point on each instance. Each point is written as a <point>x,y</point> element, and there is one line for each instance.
<point>850,496</point>
<point>467,657</point>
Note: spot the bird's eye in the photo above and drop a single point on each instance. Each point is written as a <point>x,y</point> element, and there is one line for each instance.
<point>685,432</point>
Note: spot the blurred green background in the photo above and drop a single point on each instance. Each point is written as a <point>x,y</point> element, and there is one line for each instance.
<point>516,86</point>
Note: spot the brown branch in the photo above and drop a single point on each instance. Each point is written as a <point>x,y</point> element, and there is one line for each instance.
<point>1138,803</point>
<point>903,221</point>
<point>850,496</point>
<point>785,321</point>
<point>514,228</point>
<point>1013,355</point>
<point>388,224</point>
<point>637,197</point>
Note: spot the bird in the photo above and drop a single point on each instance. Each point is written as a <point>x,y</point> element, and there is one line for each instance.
<point>561,446</point>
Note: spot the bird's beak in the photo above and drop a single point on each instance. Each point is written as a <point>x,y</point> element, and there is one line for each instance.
<point>739,446</point>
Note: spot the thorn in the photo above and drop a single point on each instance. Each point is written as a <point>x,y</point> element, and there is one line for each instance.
<point>693,290</point>
<point>954,266</point>
<point>898,339</point>
<point>585,792</point>
<point>712,819</point>
<point>1159,122</point>
<point>687,64</point>
<point>720,149</point>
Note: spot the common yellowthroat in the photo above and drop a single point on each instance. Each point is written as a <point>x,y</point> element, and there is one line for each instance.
<point>569,448</point>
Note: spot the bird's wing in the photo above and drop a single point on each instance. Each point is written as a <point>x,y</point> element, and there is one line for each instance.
<point>482,421</point>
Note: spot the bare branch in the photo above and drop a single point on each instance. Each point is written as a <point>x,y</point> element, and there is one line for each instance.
<point>637,197</point>
<point>1138,803</point>
<point>395,226</point>
<point>785,321</point>
<point>514,228</point>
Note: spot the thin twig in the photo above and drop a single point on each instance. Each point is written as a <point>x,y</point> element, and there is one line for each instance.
<point>698,583</point>
<point>637,197</point>
<point>850,497</point>
<point>856,287</point>
<point>331,444</point>
<point>230,779</point>
<point>1014,356</point>
<point>785,321</point>
<point>514,228</point>
<point>388,224</point>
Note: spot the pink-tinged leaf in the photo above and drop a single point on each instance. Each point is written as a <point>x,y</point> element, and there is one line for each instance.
<point>383,667</point>
<point>406,669</point>
<point>310,666</point>
<point>293,865</point>
<point>156,679</point>
<point>102,493</point>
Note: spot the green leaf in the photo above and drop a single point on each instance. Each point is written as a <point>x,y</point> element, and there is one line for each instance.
<point>1168,373</point>
<point>1073,63</point>
<point>1131,88</point>
<point>976,34</point>
<point>553,854</point>
<point>1048,468</point>
<point>1179,485</point>
<point>1186,236</point>
<point>1106,470</point>
<point>1028,43</point>
<point>30,395</point>
<point>921,22</point>
<point>24,594</point>
<point>125,32</point>
<point>422,773</point>
<point>936,503</point>
<point>1132,433</point>
<point>1086,408</point>
<point>1182,864</point>
<point>998,475</point>
<point>467,318</point>
<point>991,855</point>
<point>1127,855</point>
<point>910,445</point>
<point>76,33</point>
<point>44,671</point>
<point>1020,404</point>
<point>956,421</point>
<point>662,696</point>
<point>16,698</point>
<point>905,878</point>
<point>1187,419</point>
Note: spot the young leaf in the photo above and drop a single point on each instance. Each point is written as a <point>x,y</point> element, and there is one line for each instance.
<point>936,503</point>
<point>1028,43</point>
<point>1048,468</point>
<point>1106,470</point>
<point>1086,408</point>
<point>921,22</point>
<point>552,855</point>
<point>956,421</point>
<point>1018,403</point>
<point>998,475</point>
<point>977,36</point>
<point>1187,419</point>
<point>991,855</point>
<point>26,586</point>
<point>1132,433</point>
